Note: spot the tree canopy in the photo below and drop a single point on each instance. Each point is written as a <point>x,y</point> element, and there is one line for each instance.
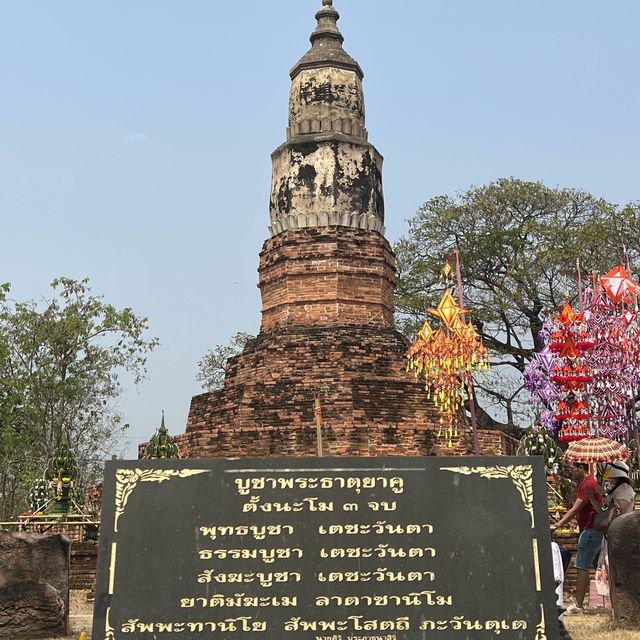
<point>213,366</point>
<point>60,367</point>
<point>519,244</point>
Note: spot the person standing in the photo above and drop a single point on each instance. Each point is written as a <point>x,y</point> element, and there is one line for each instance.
<point>619,494</point>
<point>619,498</point>
<point>590,540</point>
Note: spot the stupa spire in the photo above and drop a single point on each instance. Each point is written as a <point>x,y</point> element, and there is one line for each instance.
<point>326,45</point>
<point>326,173</point>
<point>327,27</point>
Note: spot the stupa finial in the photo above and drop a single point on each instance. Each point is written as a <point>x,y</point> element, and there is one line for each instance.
<point>326,45</point>
<point>327,27</point>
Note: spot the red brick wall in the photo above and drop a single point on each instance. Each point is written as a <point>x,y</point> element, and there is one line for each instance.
<point>82,569</point>
<point>327,329</point>
<point>358,371</point>
<point>497,443</point>
<point>338,440</point>
<point>370,404</point>
<point>320,276</point>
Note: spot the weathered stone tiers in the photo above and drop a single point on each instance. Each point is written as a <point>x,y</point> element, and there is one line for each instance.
<point>332,177</point>
<point>325,125</point>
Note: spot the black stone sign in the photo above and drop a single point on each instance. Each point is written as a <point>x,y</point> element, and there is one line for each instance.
<point>325,549</point>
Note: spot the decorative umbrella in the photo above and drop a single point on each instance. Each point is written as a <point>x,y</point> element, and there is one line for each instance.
<point>596,450</point>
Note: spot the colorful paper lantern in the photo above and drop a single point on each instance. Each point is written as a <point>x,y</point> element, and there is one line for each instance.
<point>446,359</point>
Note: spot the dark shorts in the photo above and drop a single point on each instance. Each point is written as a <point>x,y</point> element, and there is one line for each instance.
<point>589,544</point>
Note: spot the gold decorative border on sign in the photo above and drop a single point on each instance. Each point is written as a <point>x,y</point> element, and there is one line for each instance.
<point>127,480</point>
<point>541,629</point>
<point>521,475</point>
<point>536,564</point>
<point>109,631</point>
<point>112,568</point>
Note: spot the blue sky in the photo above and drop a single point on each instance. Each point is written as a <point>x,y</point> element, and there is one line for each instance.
<point>135,139</point>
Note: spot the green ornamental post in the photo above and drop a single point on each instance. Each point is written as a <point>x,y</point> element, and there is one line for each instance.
<point>61,473</point>
<point>161,445</point>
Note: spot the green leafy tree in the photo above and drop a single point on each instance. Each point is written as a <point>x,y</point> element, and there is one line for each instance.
<point>519,243</point>
<point>60,367</point>
<point>213,366</point>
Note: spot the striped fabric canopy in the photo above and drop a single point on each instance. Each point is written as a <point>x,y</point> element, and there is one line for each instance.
<point>596,450</point>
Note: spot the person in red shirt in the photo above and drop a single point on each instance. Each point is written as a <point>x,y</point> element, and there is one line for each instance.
<point>590,540</point>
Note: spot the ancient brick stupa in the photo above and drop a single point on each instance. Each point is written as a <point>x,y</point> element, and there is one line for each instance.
<point>326,280</point>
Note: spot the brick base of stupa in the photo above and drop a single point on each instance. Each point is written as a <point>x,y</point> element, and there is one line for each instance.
<point>370,405</point>
<point>327,329</point>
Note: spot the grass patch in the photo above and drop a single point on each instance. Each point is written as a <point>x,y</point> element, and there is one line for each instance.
<point>600,627</point>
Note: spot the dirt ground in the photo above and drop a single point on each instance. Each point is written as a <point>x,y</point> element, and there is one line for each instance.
<point>581,627</point>
<point>80,616</point>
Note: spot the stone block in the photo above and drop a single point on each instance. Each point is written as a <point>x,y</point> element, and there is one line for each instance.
<point>342,175</point>
<point>624,569</point>
<point>30,609</point>
<point>34,585</point>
